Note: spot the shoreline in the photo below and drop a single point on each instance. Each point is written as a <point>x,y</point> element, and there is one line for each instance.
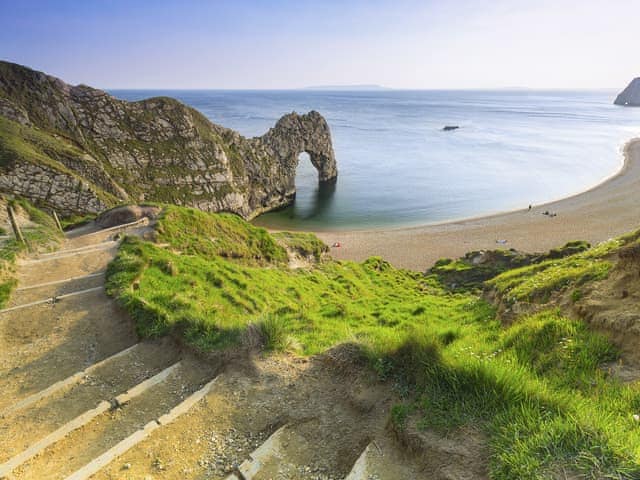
<point>601,212</point>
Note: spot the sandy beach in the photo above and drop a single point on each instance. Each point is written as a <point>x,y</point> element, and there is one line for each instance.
<point>605,211</point>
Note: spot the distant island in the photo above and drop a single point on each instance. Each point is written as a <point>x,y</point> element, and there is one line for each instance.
<point>351,88</point>
<point>630,96</point>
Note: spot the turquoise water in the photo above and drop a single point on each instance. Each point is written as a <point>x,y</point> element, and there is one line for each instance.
<point>397,167</point>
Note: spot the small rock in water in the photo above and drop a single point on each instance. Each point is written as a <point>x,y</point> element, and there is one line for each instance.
<point>448,128</point>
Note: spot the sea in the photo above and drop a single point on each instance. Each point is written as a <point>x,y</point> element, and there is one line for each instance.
<point>398,167</point>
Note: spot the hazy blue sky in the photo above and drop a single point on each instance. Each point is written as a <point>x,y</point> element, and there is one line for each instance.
<point>296,43</point>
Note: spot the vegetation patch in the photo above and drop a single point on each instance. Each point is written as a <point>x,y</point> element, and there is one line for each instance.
<point>536,282</point>
<point>223,235</point>
<point>302,243</point>
<point>41,235</point>
<point>536,387</point>
<point>475,268</point>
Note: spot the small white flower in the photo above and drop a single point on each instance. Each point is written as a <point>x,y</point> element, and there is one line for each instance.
<point>636,417</point>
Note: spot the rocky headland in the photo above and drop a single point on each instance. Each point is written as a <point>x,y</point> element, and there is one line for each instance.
<point>630,96</point>
<point>80,150</point>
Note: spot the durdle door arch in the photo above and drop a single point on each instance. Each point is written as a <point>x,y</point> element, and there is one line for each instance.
<point>292,135</point>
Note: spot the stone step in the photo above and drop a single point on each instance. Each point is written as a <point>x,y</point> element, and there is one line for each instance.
<point>62,281</point>
<point>72,253</point>
<point>135,438</point>
<point>51,300</point>
<point>83,419</point>
<point>383,459</point>
<point>84,445</point>
<point>33,293</point>
<point>217,433</point>
<point>326,428</point>
<point>270,452</point>
<point>55,269</point>
<point>76,250</point>
<point>309,449</point>
<point>40,414</point>
<point>44,344</point>
<point>67,382</point>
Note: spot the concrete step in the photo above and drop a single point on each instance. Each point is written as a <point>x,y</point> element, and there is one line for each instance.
<point>106,431</point>
<point>73,265</point>
<point>217,433</point>
<point>44,344</point>
<point>83,419</point>
<point>72,253</point>
<point>43,412</point>
<point>28,294</point>
<point>264,458</point>
<point>68,251</point>
<point>51,300</point>
<point>383,459</point>
<point>135,438</point>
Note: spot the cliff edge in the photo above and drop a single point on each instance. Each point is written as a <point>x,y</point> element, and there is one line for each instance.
<point>80,150</point>
<point>630,96</point>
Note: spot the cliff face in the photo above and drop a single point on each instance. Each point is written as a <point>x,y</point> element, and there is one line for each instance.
<point>630,96</point>
<point>80,150</point>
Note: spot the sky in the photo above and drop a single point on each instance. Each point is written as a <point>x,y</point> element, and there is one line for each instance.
<point>281,44</point>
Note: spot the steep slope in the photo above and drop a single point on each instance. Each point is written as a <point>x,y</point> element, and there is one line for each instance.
<point>79,150</point>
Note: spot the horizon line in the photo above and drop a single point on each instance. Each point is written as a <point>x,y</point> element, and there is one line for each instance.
<point>348,89</point>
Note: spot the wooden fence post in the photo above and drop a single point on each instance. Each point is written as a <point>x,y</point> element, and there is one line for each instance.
<point>15,226</point>
<point>55,217</point>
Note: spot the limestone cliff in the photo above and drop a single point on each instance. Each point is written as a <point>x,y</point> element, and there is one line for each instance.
<point>630,96</point>
<point>79,150</point>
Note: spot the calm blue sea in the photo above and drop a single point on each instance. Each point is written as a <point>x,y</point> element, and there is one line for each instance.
<point>397,167</point>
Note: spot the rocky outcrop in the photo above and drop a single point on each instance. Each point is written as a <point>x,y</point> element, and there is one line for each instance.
<point>471,271</point>
<point>630,96</point>
<point>45,185</point>
<point>92,150</point>
<point>127,214</point>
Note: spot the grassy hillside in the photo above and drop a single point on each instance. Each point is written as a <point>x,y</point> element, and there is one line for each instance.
<point>536,387</point>
<point>40,234</point>
<point>19,143</point>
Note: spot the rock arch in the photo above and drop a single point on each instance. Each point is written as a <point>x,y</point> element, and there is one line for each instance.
<point>274,186</point>
<point>294,134</point>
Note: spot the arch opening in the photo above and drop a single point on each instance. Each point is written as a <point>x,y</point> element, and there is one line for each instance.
<point>307,174</point>
<point>312,195</point>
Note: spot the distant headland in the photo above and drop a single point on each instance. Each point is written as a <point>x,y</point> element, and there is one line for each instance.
<point>630,96</point>
<point>348,88</point>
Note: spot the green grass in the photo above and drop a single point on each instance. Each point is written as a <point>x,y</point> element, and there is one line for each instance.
<point>74,221</point>
<point>43,235</point>
<point>536,282</point>
<point>475,268</point>
<point>19,143</point>
<point>214,299</point>
<point>305,244</point>
<point>537,387</point>
<point>192,231</point>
